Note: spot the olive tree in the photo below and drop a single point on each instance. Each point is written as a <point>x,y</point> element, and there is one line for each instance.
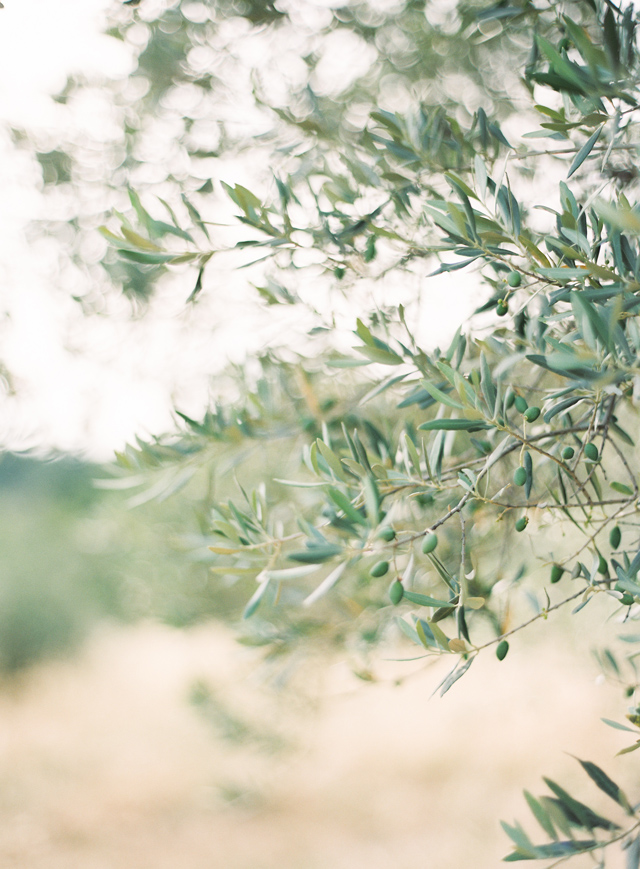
<point>391,484</point>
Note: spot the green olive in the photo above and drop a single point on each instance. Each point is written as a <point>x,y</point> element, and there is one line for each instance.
<point>531,414</point>
<point>520,477</point>
<point>603,567</point>
<point>522,523</point>
<point>568,453</point>
<point>521,404</point>
<point>339,272</point>
<point>556,573</point>
<point>502,308</point>
<point>396,591</point>
<point>501,650</point>
<point>380,568</point>
<point>615,536</point>
<point>429,543</point>
<point>626,599</point>
<point>386,533</point>
<point>514,279</point>
<point>591,452</point>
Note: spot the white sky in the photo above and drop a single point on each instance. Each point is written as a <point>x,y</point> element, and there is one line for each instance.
<point>92,385</point>
<point>41,42</point>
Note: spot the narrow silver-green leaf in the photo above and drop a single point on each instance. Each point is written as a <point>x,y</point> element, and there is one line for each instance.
<point>602,780</point>
<point>326,585</point>
<point>541,815</point>
<point>584,152</point>
<point>488,386</point>
<point>291,573</point>
<point>377,354</point>
<point>254,601</point>
<point>332,460</point>
<point>342,501</point>
<point>440,396</point>
<point>426,600</point>
<point>316,553</point>
<point>454,425</point>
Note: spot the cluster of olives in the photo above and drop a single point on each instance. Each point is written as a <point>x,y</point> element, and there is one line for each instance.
<point>590,452</point>
<point>381,568</point>
<point>530,414</point>
<point>430,540</point>
<point>514,280</point>
<point>524,472</point>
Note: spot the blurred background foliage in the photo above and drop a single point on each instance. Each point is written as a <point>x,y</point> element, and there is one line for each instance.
<point>58,570</point>
<point>73,556</point>
<point>215,83</point>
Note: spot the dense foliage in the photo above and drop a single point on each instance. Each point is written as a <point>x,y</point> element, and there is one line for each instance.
<point>361,497</point>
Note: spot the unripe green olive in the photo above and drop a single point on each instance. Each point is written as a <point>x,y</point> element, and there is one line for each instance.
<point>521,404</point>
<point>568,453</point>
<point>520,476</point>
<point>556,573</point>
<point>396,591</point>
<point>386,533</point>
<point>603,567</point>
<point>591,452</point>
<point>522,523</point>
<point>615,536</point>
<point>429,543</point>
<point>339,272</point>
<point>380,568</point>
<point>501,650</point>
<point>626,599</point>
<point>514,279</point>
<point>531,414</point>
<point>502,308</point>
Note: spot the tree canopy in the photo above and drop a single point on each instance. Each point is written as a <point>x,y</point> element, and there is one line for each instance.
<point>394,492</point>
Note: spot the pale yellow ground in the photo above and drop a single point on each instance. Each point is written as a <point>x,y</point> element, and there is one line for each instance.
<point>105,763</point>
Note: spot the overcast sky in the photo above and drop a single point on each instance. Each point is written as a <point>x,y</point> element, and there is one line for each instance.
<point>87,385</point>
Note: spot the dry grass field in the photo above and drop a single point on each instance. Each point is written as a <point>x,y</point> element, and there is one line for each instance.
<point>162,749</point>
